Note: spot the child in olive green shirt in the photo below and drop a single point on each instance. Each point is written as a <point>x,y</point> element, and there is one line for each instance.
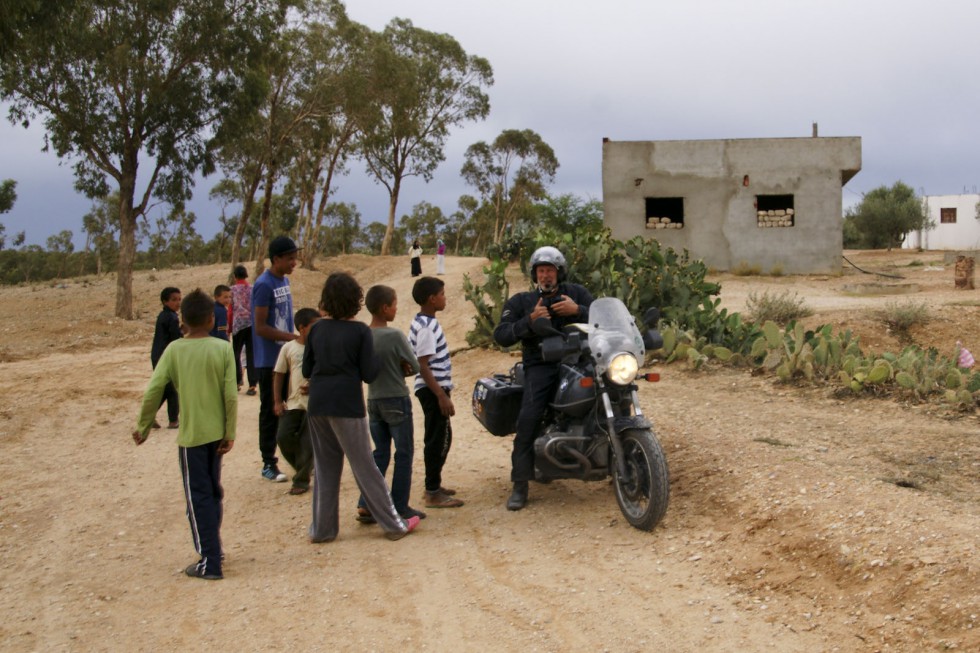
<point>389,403</point>
<point>202,369</point>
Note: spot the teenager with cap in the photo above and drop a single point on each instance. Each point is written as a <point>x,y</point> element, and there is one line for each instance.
<point>272,327</point>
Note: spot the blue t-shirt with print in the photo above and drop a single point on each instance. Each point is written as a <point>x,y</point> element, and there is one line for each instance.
<point>274,293</point>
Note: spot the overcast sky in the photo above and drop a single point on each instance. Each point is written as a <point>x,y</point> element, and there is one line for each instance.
<point>901,74</point>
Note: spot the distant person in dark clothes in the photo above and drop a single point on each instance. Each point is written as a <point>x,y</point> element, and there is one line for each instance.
<point>222,300</point>
<point>240,317</point>
<point>167,330</point>
<point>415,254</point>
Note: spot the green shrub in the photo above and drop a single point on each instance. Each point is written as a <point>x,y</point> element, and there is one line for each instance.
<point>488,299</point>
<point>640,272</point>
<point>900,318</point>
<point>743,269</point>
<point>781,308</point>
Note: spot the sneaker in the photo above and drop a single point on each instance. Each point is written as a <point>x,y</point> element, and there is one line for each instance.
<point>272,473</point>
<point>410,512</point>
<point>197,570</point>
<point>411,523</point>
<point>440,499</point>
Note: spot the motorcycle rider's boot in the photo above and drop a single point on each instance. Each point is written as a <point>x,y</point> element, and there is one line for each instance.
<point>518,498</point>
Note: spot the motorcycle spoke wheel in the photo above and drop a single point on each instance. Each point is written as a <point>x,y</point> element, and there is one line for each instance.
<point>643,492</point>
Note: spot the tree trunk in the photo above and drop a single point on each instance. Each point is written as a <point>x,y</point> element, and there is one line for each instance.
<point>270,181</point>
<point>247,203</point>
<point>127,247</point>
<point>392,207</point>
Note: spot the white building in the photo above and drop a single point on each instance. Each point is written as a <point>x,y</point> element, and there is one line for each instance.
<point>954,224</point>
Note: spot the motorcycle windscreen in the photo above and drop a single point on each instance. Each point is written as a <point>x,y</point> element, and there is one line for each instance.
<point>612,331</point>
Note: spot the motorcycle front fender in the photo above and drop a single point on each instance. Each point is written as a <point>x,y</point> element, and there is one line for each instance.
<point>626,422</point>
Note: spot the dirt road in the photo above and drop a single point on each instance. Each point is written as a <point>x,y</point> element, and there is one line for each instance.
<point>799,520</point>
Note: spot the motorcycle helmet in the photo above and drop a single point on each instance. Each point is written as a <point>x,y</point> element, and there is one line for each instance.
<point>550,256</point>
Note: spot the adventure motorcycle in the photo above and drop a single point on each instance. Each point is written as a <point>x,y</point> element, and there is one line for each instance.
<point>594,427</point>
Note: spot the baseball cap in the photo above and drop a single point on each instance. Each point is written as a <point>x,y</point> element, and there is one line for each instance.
<point>282,245</point>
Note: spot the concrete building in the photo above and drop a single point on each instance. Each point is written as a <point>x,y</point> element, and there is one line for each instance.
<point>954,224</point>
<point>774,203</point>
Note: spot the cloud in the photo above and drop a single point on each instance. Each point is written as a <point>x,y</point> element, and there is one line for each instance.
<point>899,75</point>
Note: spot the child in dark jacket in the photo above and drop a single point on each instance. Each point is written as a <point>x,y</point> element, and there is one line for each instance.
<point>338,359</point>
<point>167,330</point>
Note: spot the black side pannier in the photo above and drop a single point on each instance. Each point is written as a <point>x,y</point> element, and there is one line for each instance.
<point>497,401</point>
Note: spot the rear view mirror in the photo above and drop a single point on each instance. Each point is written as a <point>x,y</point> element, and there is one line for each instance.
<point>651,317</point>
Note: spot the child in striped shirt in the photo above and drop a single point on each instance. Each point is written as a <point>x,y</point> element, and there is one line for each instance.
<point>433,386</point>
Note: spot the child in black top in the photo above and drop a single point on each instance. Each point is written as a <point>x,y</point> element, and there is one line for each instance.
<point>167,330</point>
<point>339,357</point>
<point>222,300</point>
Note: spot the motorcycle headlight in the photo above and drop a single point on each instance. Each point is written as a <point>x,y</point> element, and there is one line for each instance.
<point>622,369</point>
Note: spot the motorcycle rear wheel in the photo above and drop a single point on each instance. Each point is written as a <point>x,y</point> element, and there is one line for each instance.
<point>642,495</point>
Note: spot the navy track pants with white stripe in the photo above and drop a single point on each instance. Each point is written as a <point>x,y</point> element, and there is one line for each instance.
<point>200,468</point>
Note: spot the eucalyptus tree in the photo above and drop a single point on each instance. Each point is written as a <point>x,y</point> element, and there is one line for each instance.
<point>569,212</point>
<point>510,173</point>
<point>8,195</point>
<point>263,146</point>
<point>101,227</point>
<point>459,224</point>
<point>334,70</point>
<point>425,223</point>
<point>344,227</point>
<point>60,247</point>
<point>420,85</point>
<point>122,84</point>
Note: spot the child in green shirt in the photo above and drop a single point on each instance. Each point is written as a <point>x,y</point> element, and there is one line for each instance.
<point>202,369</point>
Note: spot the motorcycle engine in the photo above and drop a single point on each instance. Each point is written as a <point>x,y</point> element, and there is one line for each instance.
<point>571,454</point>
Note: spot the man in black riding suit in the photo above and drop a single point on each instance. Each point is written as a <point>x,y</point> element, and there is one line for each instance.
<point>563,303</point>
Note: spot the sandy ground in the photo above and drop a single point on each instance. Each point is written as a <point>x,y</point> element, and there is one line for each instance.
<point>799,520</point>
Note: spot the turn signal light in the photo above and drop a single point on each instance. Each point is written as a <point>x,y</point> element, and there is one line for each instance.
<point>652,376</point>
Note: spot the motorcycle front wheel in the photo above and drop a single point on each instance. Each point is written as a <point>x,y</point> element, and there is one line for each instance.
<point>642,494</point>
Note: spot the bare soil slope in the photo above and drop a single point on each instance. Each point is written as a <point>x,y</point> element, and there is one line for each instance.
<point>799,520</point>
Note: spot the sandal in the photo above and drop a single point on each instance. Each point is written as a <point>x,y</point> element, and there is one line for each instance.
<point>251,391</point>
<point>365,517</point>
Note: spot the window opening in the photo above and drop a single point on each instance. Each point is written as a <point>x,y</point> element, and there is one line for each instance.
<point>774,211</point>
<point>947,216</point>
<point>665,212</point>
